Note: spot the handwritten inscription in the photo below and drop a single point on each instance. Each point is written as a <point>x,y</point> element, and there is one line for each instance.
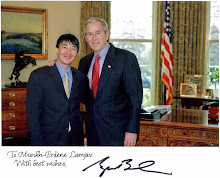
<point>47,154</point>
<point>58,159</point>
<point>79,155</point>
<point>142,166</point>
<point>47,158</point>
<point>38,154</point>
<point>38,163</point>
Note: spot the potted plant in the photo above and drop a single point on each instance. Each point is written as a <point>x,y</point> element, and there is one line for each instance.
<point>214,76</point>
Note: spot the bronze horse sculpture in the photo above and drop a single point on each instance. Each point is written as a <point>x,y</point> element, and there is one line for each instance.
<point>21,62</point>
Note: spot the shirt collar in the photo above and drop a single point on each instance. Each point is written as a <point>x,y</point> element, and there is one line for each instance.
<point>104,52</point>
<point>61,70</point>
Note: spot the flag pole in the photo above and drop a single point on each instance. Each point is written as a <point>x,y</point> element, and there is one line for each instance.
<point>164,95</point>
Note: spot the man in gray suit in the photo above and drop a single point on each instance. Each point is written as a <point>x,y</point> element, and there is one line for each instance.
<point>114,104</point>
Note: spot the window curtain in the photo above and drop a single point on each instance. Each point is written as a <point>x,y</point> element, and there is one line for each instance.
<point>92,9</point>
<point>188,23</point>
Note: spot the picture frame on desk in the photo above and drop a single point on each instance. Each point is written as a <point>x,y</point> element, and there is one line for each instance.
<point>23,29</point>
<point>195,79</point>
<point>188,90</point>
<point>209,92</point>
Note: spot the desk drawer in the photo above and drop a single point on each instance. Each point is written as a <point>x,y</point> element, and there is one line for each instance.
<point>14,125</point>
<point>15,133</point>
<point>14,129</point>
<point>13,104</point>
<point>14,94</point>
<point>17,115</point>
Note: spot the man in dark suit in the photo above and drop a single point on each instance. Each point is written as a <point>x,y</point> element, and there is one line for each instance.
<point>113,95</point>
<point>53,99</point>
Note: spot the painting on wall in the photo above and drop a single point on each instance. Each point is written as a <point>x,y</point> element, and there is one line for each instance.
<point>23,29</point>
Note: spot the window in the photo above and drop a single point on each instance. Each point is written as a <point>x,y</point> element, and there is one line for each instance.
<point>131,29</point>
<point>213,43</point>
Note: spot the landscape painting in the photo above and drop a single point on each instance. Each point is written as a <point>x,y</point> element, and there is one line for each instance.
<point>23,29</point>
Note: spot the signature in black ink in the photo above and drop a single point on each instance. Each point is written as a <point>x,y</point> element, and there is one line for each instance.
<point>126,162</point>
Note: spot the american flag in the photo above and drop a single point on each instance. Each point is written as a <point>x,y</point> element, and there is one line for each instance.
<point>166,55</point>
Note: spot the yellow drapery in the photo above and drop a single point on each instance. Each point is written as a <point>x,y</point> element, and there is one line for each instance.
<point>92,9</point>
<point>188,23</point>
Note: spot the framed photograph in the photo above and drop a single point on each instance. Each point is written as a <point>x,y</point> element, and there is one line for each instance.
<point>195,79</point>
<point>209,92</point>
<point>188,90</point>
<point>23,29</point>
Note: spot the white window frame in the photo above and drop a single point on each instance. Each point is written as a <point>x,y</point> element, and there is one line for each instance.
<point>152,41</point>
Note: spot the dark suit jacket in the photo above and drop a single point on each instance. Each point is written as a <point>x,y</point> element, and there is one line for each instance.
<point>116,108</point>
<point>49,111</point>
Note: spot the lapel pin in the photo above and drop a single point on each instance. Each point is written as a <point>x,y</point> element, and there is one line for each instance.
<point>109,66</point>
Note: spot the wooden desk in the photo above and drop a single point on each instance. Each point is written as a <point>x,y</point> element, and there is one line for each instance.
<point>182,127</point>
<point>196,102</point>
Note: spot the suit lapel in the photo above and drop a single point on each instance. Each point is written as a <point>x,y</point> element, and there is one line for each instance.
<point>106,69</point>
<point>87,66</point>
<point>75,83</point>
<point>57,78</point>
<point>88,63</point>
<point>59,83</point>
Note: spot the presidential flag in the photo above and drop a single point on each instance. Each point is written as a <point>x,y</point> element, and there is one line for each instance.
<point>166,55</point>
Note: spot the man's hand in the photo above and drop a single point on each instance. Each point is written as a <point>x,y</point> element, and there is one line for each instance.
<point>50,63</point>
<point>130,139</point>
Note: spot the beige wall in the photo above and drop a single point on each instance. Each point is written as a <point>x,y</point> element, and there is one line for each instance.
<point>63,17</point>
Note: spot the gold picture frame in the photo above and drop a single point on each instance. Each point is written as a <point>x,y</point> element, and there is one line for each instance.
<point>209,92</point>
<point>195,79</point>
<point>23,29</point>
<point>188,90</point>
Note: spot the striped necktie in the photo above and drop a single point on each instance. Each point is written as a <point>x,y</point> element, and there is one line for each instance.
<point>66,85</point>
